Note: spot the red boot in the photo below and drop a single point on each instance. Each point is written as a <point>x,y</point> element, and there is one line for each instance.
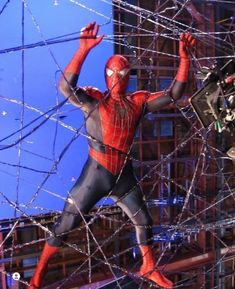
<point>47,252</point>
<point>149,271</point>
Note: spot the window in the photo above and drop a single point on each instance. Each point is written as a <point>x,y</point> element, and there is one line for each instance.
<point>166,128</point>
<point>132,84</point>
<point>164,82</point>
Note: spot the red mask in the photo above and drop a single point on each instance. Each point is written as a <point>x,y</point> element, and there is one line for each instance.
<point>117,71</point>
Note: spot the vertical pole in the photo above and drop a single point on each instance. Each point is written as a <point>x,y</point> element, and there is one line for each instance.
<point>2,266</point>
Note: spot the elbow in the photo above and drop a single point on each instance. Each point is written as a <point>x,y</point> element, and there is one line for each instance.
<point>177,90</point>
<point>67,84</point>
<point>64,87</point>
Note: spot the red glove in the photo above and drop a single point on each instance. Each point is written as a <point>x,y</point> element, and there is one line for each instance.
<point>89,37</point>
<point>186,44</point>
<point>88,40</point>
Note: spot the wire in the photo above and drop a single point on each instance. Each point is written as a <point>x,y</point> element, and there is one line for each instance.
<point>169,29</point>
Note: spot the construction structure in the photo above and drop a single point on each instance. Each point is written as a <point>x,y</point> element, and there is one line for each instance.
<point>182,187</point>
<point>163,141</point>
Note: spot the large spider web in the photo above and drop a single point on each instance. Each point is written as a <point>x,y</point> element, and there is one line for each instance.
<point>16,140</point>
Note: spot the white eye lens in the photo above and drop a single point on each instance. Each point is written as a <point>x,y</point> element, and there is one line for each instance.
<point>109,72</point>
<point>123,72</point>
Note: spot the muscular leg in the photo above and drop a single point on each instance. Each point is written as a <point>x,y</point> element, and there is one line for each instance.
<point>93,183</point>
<point>130,198</point>
<point>133,205</point>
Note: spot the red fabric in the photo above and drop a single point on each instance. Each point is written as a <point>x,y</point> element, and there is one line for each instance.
<point>148,269</point>
<point>118,124</point>
<point>112,161</point>
<point>117,82</point>
<point>155,95</point>
<point>75,64</point>
<point>119,116</point>
<point>37,279</point>
<point>93,91</point>
<point>186,45</point>
<point>182,73</point>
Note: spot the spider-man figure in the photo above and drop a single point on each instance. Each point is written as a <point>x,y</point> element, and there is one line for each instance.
<point>111,120</point>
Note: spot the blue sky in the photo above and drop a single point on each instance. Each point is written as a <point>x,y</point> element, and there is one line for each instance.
<point>35,76</point>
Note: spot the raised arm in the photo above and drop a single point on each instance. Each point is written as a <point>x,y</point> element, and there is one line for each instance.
<point>160,99</point>
<point>68,82</point>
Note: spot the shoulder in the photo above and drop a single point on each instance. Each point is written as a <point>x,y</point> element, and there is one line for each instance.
<point>93,92</point>
<point>139,97</point>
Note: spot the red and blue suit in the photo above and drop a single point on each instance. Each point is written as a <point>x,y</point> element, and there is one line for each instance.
<point>111,121</point>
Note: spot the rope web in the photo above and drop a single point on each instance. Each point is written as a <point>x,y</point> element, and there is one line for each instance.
<point>210,163</point>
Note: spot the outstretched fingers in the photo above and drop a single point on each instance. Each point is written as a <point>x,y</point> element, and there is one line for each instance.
<point>95,29</point>
<point>89,38</point>
<point>88,30</point>
<point>91,30</point>
<point>95,32</point>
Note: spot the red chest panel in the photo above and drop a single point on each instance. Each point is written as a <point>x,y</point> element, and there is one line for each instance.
<point>119,120</point>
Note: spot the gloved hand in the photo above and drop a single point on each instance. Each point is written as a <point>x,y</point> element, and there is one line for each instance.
<point>89,38</point>
<point>186,44</point>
